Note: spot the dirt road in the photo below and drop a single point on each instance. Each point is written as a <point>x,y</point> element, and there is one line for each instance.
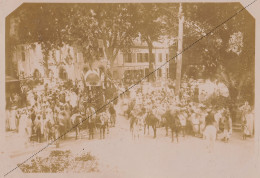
<point>121,156</point>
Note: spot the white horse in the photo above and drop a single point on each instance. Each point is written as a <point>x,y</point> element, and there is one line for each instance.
<point>210,135</point>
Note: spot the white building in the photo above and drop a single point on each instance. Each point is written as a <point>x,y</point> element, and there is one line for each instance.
<point>137,60</point>
<point>68,62</point>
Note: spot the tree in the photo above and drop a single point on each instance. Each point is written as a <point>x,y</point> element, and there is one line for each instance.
<point>80,25</point>
<point>40,23</point>
<point>117,28</point>
<point>151,26</point>
<point>227,53</point>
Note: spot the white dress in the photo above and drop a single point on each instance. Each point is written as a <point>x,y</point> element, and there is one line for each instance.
<point>22,126</point>
<point>12,119</point>
<point>250,122</point>
<point>7,119</point>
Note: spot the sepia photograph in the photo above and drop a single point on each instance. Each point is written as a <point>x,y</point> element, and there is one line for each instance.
<point>129,89</point>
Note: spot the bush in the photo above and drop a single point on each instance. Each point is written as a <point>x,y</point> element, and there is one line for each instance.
<point>61,161</point>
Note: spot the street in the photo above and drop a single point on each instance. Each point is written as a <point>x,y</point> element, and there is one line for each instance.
<point>120,156</point>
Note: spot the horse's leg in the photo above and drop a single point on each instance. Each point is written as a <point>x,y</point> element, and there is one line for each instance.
<point>104,131</point>
<point>100,132</point>
<point>177,135</point>
<point>166,128</point>
<point>107,128</point>
<point>172,135</point>
<point>47,137</point>
<point>148,128</point>
<point>78,128</point>
<point>154,130</point>
<point>89,130</point>
<point>132,132</point>
<point>76,131</point>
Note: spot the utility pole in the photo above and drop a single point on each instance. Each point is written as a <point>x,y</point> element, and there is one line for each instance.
<point>179,54</point>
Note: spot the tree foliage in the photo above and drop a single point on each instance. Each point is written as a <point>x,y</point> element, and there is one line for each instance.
<point>228,53</point>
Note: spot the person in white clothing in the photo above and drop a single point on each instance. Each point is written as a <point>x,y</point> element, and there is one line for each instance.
<point>210,133</point>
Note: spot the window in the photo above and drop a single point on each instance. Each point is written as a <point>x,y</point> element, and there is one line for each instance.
<point>160,72</point>
<point>23,54</point>
<point>160,57</point>
<point>145,57</point>
<point>130,57</point>
<point>133,57</point>
<point>139,57</point>
<point>127,57</point>
<point>142,57</point>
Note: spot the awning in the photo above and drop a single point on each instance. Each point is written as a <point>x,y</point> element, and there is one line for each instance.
<point>10,79</point>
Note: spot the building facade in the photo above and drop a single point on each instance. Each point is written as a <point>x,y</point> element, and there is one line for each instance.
<point>136,62</point>
<point>68,62</point>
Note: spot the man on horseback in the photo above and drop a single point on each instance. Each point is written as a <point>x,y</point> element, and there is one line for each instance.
<point>112,112</point>
<point>90,114</point>
<point>103,123</point>
<point>151,120</point>
<point>76,121</point>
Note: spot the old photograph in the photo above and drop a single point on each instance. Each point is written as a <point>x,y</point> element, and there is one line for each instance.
<point>130,89</point>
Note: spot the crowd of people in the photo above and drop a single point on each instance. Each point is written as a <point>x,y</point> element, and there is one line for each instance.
<point>50,112</point>
<point>190,116</point>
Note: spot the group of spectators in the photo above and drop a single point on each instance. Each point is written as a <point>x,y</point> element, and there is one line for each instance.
<point>193,116</point>
<point>48,109</point>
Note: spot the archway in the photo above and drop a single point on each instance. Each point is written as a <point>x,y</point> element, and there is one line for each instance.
<point>36,74</point>
<point>63,74</point>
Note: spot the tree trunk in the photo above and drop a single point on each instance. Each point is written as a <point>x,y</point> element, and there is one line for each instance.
<point>179,57</point>
<point>233,93</point>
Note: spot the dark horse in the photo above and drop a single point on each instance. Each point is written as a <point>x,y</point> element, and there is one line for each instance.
<point>132,120</point>
<point>171,121</point>
<point>151,120</point>
<point>76,121</point>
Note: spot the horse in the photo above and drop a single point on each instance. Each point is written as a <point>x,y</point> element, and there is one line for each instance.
<point>76,121</point>
<point>92,121</point>
<point>171,121</point>
<point>112,112</point>
<point>136,125</point>
<point>210,133</point>
<point>133,121</point>
<point>61,125</point>
<point>113,120</point>
<point>165,120</point>
<point>129,109</point>
<point>151,120</point>
<point>49,130</point>
<point>102,123</point>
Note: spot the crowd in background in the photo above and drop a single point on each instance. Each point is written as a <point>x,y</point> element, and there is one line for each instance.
<point>52,110</point>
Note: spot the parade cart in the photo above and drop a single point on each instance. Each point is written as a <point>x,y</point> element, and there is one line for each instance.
<point>94,88</point>
<point>99,84</point>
